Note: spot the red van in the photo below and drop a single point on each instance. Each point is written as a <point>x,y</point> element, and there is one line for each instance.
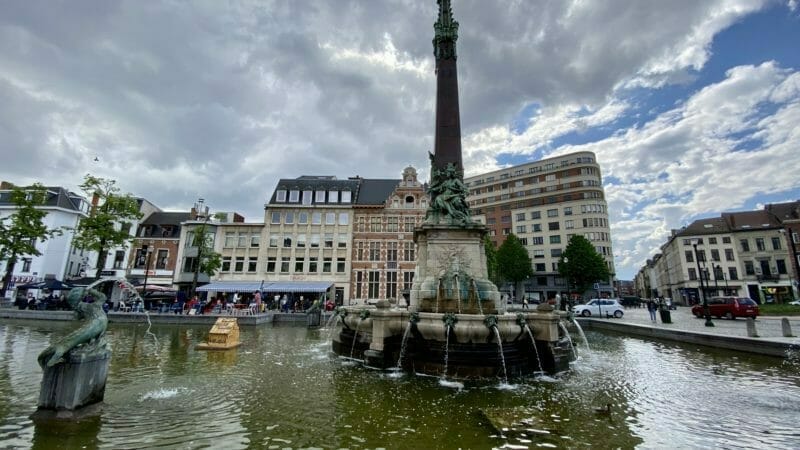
<point>728,307</point>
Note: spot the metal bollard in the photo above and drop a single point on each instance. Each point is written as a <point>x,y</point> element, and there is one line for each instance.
<point>786,328</point>
<point>751,327</point>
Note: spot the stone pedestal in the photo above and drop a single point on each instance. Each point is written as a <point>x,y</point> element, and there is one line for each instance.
<point>451,271</point>
<point>76,383</point>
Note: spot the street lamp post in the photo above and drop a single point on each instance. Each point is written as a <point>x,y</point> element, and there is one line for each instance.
<point>706,312</point>
<point>148,252</point>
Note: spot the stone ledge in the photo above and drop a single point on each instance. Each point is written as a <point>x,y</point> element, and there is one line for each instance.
<point>760,346</point>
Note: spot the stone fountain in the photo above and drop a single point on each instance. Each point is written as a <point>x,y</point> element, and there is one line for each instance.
<point>456,324</point>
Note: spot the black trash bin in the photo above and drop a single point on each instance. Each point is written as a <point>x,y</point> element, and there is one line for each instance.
<point>665,316</point>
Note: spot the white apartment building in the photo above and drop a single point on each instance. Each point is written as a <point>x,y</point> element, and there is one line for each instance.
<point>58,259</point>
<point>739,254</point>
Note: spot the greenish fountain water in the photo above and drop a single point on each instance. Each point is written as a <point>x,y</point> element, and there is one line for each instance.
<point>283,389</point>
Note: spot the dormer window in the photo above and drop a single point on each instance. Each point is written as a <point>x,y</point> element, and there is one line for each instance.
<point>320,197</point>
<point>294,196</point>
<point>333,196</point>
<point>307,197</point>
<point>280,196</point>
<point>346,197</point>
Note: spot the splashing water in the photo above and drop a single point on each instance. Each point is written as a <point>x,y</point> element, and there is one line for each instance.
<point>403,345</point>
<point>535,348</point>
<point>159,394</point>
<point>569,338</point>
<point>355,338</point>
<point>446,351</point>
<point>477,296</point>
<point>458,292</point>
<point>332,327</point>
<point>128,289</point>
<point>500,350</point>
<point>581,333</point>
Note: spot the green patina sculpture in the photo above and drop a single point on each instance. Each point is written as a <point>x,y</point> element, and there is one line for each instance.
<point>446,32</point>
<point>90,335</point>
<point>448,196</point>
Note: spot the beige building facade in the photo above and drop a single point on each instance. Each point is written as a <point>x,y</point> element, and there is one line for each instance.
<point>545,203</point>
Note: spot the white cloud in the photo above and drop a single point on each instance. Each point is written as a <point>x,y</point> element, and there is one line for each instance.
<point>220,100</point>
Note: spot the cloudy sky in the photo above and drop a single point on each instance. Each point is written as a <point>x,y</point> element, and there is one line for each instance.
<point>692,107</point>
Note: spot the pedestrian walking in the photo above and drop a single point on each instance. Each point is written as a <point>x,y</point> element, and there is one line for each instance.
<point>651,308</point>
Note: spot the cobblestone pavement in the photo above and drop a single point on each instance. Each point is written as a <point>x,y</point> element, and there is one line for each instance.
<point>767,327</point>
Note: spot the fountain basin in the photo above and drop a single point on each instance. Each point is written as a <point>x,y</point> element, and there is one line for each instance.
<point>472,348</point>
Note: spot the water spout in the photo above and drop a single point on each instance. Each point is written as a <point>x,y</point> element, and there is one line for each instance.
<point>580,331</point>
<point>569,338</point>
<point>500,350</point>
<point>535,349</point>
<point>439,295</point>
<point>332,326</point>
<point>458,291</point>
<point>446,350</point>
<point>130,291</point>
<point>411,321</point>
<point>355,338</point>
<point>477,296</point>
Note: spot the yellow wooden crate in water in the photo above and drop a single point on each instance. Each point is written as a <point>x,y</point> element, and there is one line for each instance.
<point>223,335</point>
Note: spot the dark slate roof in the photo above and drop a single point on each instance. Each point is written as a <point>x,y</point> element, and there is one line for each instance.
<point>57,197</point>
<point>314,183</point>
<point>712,225</point>
<point>166,218</point>
<point>785,211</point>
<point>162,224</point>
<point>375,192</point>
<point>751,220</point>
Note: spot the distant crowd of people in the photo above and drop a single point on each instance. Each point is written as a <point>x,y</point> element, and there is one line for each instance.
<point>50,301</point>
<point>227,302</point>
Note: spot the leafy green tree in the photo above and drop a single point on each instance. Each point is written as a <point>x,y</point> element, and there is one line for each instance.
<point>20,231</point>
<point>208,261</point>
<point>491,261</point>
<point>581,265</point>
<point>109,222</point>
<point>513,262</point>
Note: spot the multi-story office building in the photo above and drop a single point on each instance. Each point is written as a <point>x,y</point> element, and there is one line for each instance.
<point>384,253</point>
<point>545,203</point>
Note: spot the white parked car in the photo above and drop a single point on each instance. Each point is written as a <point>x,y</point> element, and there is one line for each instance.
<point>599,307</point>
<point>795,303</point>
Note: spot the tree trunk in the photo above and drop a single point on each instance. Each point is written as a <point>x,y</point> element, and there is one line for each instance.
<point>102,254</point>
<point>12,261</point>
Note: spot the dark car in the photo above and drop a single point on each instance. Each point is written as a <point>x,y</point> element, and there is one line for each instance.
<point>728,307</point>
<point>630,301</point>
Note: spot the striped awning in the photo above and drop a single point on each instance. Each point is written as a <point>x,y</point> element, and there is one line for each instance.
<point>296,286</point>
<point>231,286</point>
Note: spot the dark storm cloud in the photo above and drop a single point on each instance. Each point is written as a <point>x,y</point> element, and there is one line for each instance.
<point>221,99</point>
